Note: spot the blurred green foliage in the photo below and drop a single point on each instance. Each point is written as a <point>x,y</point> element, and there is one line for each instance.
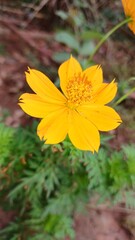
<point>45,184</point>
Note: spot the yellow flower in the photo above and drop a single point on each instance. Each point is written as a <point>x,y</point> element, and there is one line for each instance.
<point>78,112</point>
<point>129,9</point>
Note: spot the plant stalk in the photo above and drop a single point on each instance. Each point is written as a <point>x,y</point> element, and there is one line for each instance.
<point>107,35</point>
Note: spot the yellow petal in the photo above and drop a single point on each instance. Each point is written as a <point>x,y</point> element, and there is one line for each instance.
<point>129,9</point>
<point>68,70</point>
<point>82,133</point>
<point>105,93</point>
<point>132,25</point>
<point>129,6</point>
<point>94,74</point>
<point>54,127</point>
<point>124,2</point>
<point>35,106</point>
<point>103,117</point>
<point>42,85</point>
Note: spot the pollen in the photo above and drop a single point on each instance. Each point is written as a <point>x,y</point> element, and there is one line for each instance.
<point>79,90</point>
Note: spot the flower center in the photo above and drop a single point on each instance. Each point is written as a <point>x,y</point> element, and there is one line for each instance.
<point>79,90</point>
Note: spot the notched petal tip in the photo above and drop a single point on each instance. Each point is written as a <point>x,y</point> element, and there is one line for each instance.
<point>40,136</point>
<point>20,104</point>
<point>120,121</point>
<point>21,100</point>
<point>30,70</point>
<point>99,66</point>
<point>27,71</point>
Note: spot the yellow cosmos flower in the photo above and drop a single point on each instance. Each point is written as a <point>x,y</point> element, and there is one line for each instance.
<point>129,9</point>
<point>79,112</point>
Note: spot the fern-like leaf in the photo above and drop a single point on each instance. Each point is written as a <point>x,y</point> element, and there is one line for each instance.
<point>6,137</point>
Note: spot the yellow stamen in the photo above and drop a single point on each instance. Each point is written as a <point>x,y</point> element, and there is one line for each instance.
<point>79,90</point>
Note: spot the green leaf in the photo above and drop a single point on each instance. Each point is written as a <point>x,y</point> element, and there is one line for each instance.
<point>87,48</point>
<point>60,56</point>
<point>129,151</point>
<point>89,35</point>
<point>130,199</point>
<point>68,39</point>
<point>6,137</point>
<point>63,15</point>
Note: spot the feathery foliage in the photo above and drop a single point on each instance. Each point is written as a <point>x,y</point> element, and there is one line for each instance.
<point>46,184</point>
<point>6,137</point>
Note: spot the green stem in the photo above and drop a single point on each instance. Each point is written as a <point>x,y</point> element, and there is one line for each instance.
<point>124,97</point>
<point>107,35</point>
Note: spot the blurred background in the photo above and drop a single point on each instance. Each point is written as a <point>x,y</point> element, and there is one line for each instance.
<point>42,34</point>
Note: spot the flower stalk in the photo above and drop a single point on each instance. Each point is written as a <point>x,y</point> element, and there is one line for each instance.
<point>107,35</point>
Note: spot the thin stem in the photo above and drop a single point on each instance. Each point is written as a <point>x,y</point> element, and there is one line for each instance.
<point>124,97</point>
<point>107,35</point>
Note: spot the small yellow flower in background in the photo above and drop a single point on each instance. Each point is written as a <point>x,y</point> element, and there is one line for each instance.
<point>129,9</point>
<point>79,111</point>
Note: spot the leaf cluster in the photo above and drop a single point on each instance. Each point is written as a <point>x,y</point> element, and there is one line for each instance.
<point>46,184</point>
<point>42,184</point>
<point>112,175</point>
